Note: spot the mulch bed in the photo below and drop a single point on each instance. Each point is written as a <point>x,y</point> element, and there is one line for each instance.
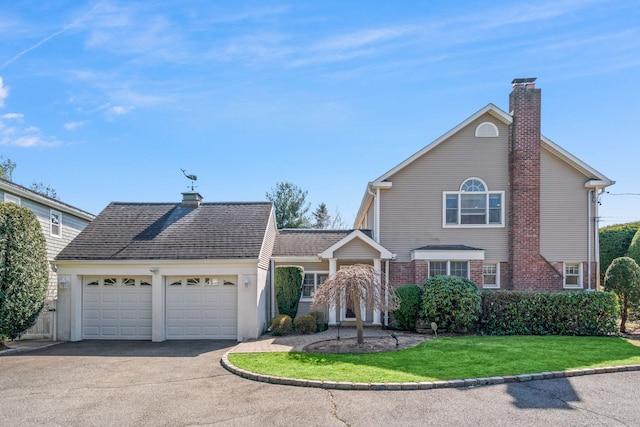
<point>371,344</point>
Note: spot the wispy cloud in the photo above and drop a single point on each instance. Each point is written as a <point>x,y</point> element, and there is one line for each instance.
<point>13,116</point>
<point>71,126</point>
<point>27,137</point>
<point>49,37</point>
<point>4,92</point>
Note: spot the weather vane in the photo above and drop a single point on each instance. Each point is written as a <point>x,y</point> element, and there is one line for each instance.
<point>191,177</point>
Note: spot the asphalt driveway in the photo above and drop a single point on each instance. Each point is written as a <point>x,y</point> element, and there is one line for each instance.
<point>181,383</point>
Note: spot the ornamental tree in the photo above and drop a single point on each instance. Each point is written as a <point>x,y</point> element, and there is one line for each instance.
<point>362,285</point>
<point>623,278</point>
<point>23,269</point>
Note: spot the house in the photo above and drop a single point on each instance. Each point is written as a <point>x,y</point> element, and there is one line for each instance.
<point>60,223</point>
<point>157,271</point>
<point>492,200</point>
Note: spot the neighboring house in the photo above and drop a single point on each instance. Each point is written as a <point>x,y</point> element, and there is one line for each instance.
<point>491,200</point>
<point>60,223</point>
<point>157,271</point>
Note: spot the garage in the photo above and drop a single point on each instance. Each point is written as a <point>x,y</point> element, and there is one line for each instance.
<point>202,307</point>
<point>116,308</point>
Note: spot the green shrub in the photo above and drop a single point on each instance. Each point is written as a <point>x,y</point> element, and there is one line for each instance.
<point>623,278</point>
<point>452,302</point>
<point>288,287</point>
<point>548,313</point>
<point>614,243</point>
<point>321,324</point>
<point>24,270</point>
<point>281,325</point>
<point>410,304</point>
<point>305,324</point>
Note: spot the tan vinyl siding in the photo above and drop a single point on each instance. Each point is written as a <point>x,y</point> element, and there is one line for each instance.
<point>411,211</point>
<point>563,211</point>
<point>356,249</point>
<point>308,266</point>
<point>267,244</point>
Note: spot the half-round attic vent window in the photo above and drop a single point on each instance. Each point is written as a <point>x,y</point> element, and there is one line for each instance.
<point>487,130</point>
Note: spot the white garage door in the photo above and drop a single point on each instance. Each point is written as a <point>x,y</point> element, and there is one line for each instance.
<point>202,307</point>
<point>116,308</point>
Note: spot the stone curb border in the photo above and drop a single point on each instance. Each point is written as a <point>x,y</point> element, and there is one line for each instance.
<point>427,385</point>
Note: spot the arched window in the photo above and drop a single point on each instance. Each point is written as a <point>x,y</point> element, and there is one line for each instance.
<point>487,130</point>
<point>473,205</point>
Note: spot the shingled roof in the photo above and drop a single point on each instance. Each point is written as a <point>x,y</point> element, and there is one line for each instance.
<point>303,242</point>
<point>168,231</point>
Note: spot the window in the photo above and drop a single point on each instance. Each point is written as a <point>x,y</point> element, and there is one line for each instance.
<point>127,281</point>
<point>487,130</point>
<point>473,206</point>
<point>491,276</point>
<point>573,275</point>
<point>9,198</point>
<point>110,281</point>
<point>55,223</point>
<point>449,268</point>
<point>311,283</point>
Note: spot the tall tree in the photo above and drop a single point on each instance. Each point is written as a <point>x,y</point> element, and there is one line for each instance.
<point>291,207</point>
<point>24,271</point>
<point>322,217</point>
<point>6,168</point>
<point>623,278</point>
<point>45,190</point>
<point>362,285</point>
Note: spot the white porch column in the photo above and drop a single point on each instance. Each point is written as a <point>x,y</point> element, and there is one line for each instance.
<point>158,325</point>
<point>333,309</point>
<point>377,266</point>
<point>75,298</point>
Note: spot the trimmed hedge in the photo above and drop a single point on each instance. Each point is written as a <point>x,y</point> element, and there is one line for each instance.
<point>410,301</point>
<point>614,243</point>
<point>281,325</point>
<point>452,302</point>
<point>548,313</point>
<point>321,324</point>
<point>305,324</point>
<point>24,270</point>
<point>288,288</point>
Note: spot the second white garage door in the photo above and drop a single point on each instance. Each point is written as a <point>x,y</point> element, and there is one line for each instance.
<point>202,307</point>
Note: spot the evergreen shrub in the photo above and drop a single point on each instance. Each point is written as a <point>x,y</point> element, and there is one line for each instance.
<point>288,288</point>
<point>410,305</point>
<point>548,313</point>
<point>305,324</point>
<point>452,302</point>
<point>281,325</point>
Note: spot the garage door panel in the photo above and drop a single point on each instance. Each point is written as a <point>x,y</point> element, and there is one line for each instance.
<point>201,312</point>
<point>116,311</point>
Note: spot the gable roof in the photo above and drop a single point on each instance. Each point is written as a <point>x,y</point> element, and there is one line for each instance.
<point>308,243</point>
<point>27,193</point>
<point>168,231</point>
<point>358,234</point>
<point>570,159</point>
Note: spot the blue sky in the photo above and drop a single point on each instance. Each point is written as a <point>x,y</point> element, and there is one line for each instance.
<point>107,100</point>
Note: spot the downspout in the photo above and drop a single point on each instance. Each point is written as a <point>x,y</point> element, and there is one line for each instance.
<point>386,292</point>
<point>272,286</point>
<point>376,220</point>
<point>589,237</point>
<point>596,220</point>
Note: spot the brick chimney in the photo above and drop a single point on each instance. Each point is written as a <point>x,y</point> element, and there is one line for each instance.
<point>528,269</point>
<point>191,200</point>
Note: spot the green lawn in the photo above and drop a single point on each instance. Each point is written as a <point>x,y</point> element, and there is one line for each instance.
<point>449,358</point>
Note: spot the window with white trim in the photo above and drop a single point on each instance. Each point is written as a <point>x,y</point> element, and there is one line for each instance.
<point>573,275</point>
<point>491,275</point>
<point>473,206</point>
<point>10,198</point>
<point>55,223</point>
<point>487,130</point>
<point>449,268</point>
<point>311,283</point>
